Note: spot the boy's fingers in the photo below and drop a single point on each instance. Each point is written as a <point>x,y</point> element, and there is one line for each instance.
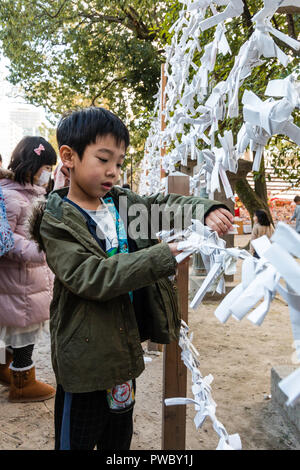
<point>219,221</point>
<point>223,218</point>
<point>227,213</point>
<point>211,223</point>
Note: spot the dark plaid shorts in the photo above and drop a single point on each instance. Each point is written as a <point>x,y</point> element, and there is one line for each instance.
<point>83,421</point>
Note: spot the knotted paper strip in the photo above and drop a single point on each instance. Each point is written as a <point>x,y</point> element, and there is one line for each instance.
<point>203,401</point>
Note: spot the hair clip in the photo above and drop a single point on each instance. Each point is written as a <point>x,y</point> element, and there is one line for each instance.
<point>39,149</point>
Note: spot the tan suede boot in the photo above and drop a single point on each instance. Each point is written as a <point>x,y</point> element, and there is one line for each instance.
<point>25,388</point>
<point>4,370</point>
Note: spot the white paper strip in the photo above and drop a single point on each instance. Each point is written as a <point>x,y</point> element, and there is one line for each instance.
<point>203,401</point>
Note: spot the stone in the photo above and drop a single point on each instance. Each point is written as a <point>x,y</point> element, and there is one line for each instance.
<point>290,413</point>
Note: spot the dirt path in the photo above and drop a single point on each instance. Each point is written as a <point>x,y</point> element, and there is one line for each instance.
<point>239,356</point>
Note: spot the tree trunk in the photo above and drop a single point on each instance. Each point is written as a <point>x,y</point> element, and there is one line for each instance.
<point>251,200</point>
<point>260,188</point>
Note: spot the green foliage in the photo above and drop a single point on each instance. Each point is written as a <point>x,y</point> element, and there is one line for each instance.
<point>68,53</point>
<point>286,159</point>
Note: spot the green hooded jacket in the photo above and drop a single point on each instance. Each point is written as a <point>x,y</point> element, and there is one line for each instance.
<point>96,331</point>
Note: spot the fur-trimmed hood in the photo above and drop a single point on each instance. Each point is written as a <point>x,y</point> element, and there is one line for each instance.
<point>34,221</point>
<point>6,174</point>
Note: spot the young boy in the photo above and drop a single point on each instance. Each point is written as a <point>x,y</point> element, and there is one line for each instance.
<point>296,214</point>
<point>111,291</point>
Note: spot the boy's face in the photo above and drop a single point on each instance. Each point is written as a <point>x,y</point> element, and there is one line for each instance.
<point>99,169</point>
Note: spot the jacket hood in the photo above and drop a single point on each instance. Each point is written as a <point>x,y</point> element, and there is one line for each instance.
<point>36,214</point>
<point>34,221</point>
<point>6,174</point>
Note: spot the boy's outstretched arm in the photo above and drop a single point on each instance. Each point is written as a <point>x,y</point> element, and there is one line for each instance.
<point>216,214</point>
<point>95,277</point>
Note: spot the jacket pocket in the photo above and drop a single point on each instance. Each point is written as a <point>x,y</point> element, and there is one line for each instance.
<point>76,342</point>
<point>170,301</point>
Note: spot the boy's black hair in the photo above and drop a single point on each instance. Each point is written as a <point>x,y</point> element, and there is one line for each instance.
<point>297,199</point>
<point>262,217</point>
<point>80,128</point>
<point>25,162</point>
<point>0,157</point>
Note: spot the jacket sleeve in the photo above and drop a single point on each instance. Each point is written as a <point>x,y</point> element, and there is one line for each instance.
<point>158,212</point>
<point>193,207</point>
<point>24,250</point>
<point>97,278</point>
<point>173,199</point>
<point>294,214</point>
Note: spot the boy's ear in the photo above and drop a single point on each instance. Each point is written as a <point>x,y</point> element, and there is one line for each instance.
<point>67,156</point>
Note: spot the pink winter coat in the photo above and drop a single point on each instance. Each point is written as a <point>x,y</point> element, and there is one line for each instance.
<point>25,280</point>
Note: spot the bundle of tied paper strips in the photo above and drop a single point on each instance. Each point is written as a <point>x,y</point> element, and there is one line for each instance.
<point>262,278</point>
<point>192,114</point>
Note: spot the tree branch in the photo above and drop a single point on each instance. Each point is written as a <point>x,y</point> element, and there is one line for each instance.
<point>96,17</point>
<point>247,18</point>
<point>57,13</point>
<point>291,26</point>
<point>136,25</point>
<point>133,22</point>
<point>291,31</point>
<point>289,10</point>
<point>114,80</point>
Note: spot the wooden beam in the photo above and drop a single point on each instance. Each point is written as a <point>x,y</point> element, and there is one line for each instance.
<point>289,10</point>
<point>174,370</point>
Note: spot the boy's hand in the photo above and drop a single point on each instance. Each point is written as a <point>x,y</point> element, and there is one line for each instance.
<point>175,252</point>
<point>173,248</point>
<point>220,220</point>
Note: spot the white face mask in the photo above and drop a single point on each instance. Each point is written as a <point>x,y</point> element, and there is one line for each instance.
<point>44,178</point>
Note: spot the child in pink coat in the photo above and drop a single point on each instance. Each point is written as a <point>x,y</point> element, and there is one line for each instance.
<point>25,279</point>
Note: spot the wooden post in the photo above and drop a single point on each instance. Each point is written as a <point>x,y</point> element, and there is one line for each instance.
<point>174,370</point>
<point>154,346</point>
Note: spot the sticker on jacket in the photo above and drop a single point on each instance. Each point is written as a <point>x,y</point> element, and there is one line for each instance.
<point>121,396</point>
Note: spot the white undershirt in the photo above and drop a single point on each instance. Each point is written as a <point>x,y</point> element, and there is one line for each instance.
<point>106,227</point>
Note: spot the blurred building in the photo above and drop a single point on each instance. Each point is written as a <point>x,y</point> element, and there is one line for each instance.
<point>17,118</point>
